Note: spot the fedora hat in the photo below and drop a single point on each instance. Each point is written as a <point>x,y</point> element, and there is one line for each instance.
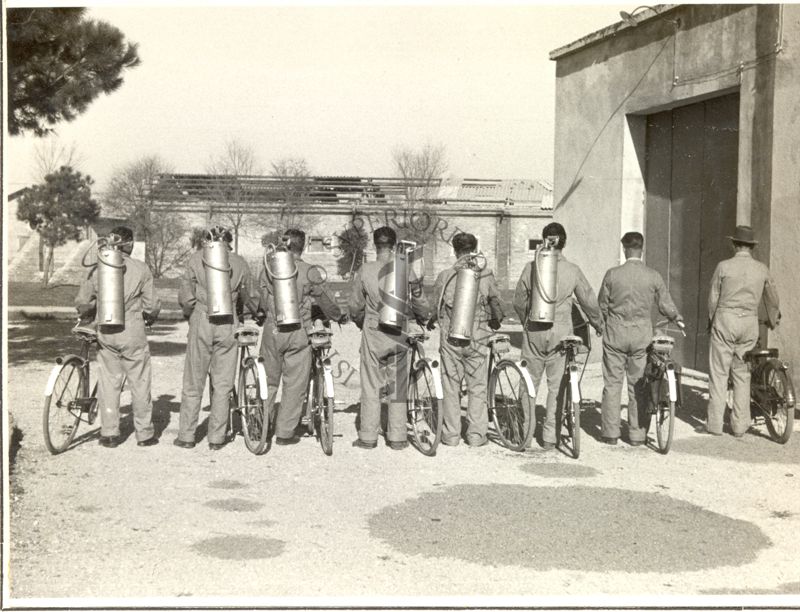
<point>744,234</point>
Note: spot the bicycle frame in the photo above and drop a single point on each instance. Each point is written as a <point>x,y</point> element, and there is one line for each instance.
<point>495,353</point>
<point>418,357</point>
<point>760,365</point>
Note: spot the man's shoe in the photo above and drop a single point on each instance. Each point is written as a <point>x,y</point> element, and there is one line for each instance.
<point>637,442</point>
<point>182,443</point>
<point>287,441</point>
<point>109,441</point>
<point>483,442</point>
<point>215,445</point>
<point>611,441</point>
<point>398,445</point>
<point>149,442</point>
<point>548,446</point>
<point>738,436</point>
<point>366,445</point>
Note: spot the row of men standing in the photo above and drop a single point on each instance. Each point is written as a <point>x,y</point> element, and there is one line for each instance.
<point>621,315</point>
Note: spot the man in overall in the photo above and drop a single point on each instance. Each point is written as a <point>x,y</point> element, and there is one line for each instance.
<point>626,297</point>
<point>384,351</point>
<point>466,358</point>
<point>211,346</point>
<point>286,348</point>
<point>737,288</point>
<point>540,344</point>
<point>124,353</point>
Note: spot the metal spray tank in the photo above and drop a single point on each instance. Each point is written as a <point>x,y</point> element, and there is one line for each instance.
<point>216,262</point>
<point>110,281</point>
<point>544,283</point>
<point>395,277</point>
<point>465,298</point>
<point>282,273</point>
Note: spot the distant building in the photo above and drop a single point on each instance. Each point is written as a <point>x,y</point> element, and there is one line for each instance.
<point>683,126</point>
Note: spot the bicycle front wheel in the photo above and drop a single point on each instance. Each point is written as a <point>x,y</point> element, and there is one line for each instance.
<point>252,409</point>
<point>664,415</point>
<point>780,408</point>
<point>568,421</point>
<point>512,417</point>
<point>323,413</point>
<point>61,415</point>
<point>423,407</point>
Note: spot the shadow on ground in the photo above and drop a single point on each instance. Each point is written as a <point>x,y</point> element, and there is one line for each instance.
<point>781,589</point>
<point>615,528</point>
<point>754,447</point>
<point>559,470</point>
<point>239,547</point>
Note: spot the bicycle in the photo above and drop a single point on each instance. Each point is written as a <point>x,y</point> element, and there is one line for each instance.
<point>772,397</point>
<point>68,399</point>
<point>249,396</point>
<point>512,417</point>
<point>662,377</point>
<point>568,411</point>
<point>318,417</point>
<point>424,396</point>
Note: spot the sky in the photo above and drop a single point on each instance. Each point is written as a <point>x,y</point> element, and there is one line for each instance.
<point>340,86</point>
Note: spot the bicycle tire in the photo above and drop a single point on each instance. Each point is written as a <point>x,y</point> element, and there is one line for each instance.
<point>511,416</point>
<point>323,411</point>
<point>780,419</point>
<point>424,411</point>
<point>253,410</point>
<point>59,423</point>
<point>569,420</point>
<point>664,416</point>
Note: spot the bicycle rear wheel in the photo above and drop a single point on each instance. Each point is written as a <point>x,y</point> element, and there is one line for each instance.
<point>568,421</point>
<point>512,419</point>
<point>253,410</point>
<point>664,415</point>
<point>424,410</point>
<point>61,416</point>
<point>323,413</point>
<point>780,408</point>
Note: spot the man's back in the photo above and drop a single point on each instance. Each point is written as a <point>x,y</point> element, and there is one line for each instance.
<point>629,291</point>
<point>738,284</point>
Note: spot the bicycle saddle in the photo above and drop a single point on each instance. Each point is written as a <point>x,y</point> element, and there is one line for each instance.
<point>571,340</point>
<point>246,335</point>
<point>663,340</point>
<point>86,334</point>
<point>760,353</point>
<point>499,338</point>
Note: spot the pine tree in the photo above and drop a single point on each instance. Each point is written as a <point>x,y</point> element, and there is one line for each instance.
<point>58,63</point>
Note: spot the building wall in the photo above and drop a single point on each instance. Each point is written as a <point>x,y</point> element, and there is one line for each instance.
<point>607,84</point>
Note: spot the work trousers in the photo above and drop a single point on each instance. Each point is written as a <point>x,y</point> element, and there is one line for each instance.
<point>732,335</point>
<point>460,362</point>
<point>625,355</point>
<point>541,354</point>
<point>286,354</point>
<point>125,355</point>
<point>210,349</point>
<point>384,371</point>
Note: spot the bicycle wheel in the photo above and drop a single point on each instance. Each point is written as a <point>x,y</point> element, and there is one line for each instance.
<point>323,413</point>
<point>780,408</point>
<point>423,407</point>
<point>512,419</point>
<point>60,416</point>
<point>568,421</point>
<point>252,409</point>
<point>664,415</point>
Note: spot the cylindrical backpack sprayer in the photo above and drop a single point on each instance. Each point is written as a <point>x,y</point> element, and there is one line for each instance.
<point>465,298</point>
<point>282,272</point>
<point>544,283</point>
<point>110,282</point>
<point>394,286</point>
<point>219,300</point>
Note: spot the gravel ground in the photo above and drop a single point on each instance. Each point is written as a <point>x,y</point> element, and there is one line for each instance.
<point>716,516</point>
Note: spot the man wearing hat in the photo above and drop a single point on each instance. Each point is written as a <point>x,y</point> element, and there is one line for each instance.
<point>211,347</point>
<point>737,288</point>
<point>626,297</point>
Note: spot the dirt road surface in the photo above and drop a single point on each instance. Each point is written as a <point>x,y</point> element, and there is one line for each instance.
<point>717,516</point>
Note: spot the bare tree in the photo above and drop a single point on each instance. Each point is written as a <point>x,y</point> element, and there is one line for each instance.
<point>132,195</point>
<point>50,154</point>
<point>229,185</point>
<point>292,190</point>
<point>421,173</point>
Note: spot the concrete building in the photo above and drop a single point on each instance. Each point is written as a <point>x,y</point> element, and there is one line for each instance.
<point>682,123</point>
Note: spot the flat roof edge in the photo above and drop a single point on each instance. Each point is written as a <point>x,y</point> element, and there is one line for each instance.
<point>609,31</point>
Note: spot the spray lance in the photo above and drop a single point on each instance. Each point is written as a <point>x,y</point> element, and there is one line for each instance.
<point>282,273</point>
<point>467,277</point>
<point>544,282</point>
<point>218,273</point>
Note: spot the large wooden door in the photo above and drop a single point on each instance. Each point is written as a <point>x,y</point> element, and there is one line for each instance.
<point>691,175</point>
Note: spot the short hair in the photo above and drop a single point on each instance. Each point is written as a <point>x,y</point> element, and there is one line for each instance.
<point>295,239</point>
<point>556,229</point>
<point>384,237</point>
<point>124,232</point>
<point>464,242</point>
<point>632,240</point>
